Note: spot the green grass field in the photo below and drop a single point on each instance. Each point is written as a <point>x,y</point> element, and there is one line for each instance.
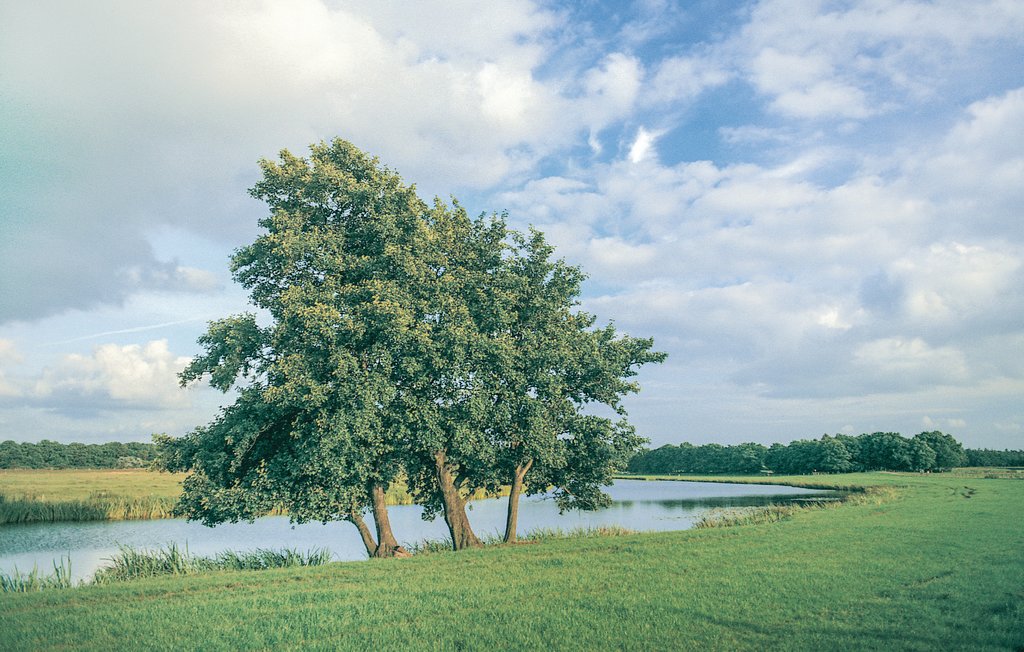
<point>935,565</point>
<point>80,484</point>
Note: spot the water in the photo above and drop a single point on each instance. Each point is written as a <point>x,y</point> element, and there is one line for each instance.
<point>637,505</point>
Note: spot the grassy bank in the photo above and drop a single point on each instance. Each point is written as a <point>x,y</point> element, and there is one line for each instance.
<point>936,565</point>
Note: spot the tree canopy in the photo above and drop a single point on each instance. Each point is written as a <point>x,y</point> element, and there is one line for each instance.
<point>400,341</point>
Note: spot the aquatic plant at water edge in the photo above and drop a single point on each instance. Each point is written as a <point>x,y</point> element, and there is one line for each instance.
<point>130,563</point>
<point>35,580</point>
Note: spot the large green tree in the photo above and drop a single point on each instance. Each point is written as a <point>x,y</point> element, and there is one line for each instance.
<point>314,428</point>
<point>400,340</point>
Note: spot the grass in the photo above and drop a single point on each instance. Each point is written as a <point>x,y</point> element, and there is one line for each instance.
<point>925,563</point>
<point>33,496</point>
<point>53,495</point>
<point>433,546</point>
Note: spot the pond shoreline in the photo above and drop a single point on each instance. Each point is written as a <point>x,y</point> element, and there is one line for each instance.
<point>637,505</point>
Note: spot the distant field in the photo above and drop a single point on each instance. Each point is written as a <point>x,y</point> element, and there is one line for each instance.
<point>32,496</point>
<point>80,484</point>
<point>931,562</point>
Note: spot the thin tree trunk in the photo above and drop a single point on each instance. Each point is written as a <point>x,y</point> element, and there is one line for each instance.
<point>454,506</point>
<point>356,519</point>
<point>512,520</point>
<point>387,546</point>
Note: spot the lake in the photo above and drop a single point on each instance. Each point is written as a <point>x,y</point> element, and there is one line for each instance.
<point>637,505</point>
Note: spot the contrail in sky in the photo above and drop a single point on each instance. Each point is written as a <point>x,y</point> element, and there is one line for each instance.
<point>122,331</point>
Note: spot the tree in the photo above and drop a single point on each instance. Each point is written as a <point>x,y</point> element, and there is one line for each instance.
<point>513,369</point>
<point>548,364</point>
<point>404,340</point>
<point>948,451</point>
<point>921,455</point>
<point>833,457</point>
<point>314,428</point>
<point>885,451</point>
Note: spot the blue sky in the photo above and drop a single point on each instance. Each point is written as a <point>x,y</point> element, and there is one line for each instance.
<point>815,207</point>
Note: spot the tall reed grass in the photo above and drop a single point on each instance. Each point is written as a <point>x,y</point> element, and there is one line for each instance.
<point>100,506</point>
<point>18,582</point>
<point>774,513</point>
<point>130,563</point>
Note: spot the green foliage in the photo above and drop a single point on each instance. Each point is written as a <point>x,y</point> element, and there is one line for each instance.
<point>132,564</point>
<point>50,495</point>
<point>948,451</point>
<point>880,451</point>
<point>48,454</point>
<point>988,457</point>
<point>97,507</point>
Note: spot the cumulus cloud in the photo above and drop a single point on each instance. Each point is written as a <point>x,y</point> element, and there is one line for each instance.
<point>136,117</point>
<point>855,60</point>
<point>683,79</point>
<point>114,377</point>
<point>643,145</point>
<point>797,287</point>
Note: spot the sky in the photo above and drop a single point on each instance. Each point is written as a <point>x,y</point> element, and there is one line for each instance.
<point>814,207</point>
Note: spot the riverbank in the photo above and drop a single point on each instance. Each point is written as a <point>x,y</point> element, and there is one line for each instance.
<point>935,566</point>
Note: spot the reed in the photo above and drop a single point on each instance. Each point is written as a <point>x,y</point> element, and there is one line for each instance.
<point>131,563</point>
<point>100,506</point>
<point>745,516</point>
<point>35,580</point>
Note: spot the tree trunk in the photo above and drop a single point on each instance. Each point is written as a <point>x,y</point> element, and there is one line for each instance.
<point>511,522</point>
<point>387,545</point>
<point>355,518</point>
<point>454,506</point>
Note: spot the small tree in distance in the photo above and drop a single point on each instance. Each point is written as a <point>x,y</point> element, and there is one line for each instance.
<point>405,341</point>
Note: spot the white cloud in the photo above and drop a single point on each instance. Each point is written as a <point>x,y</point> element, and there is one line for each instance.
<point>911,361</point>
<point>974,174</point>
<point>112,377</point>
<point>9,357</point>
<point>610,90</point>
<point>800,200</point>
<point>643,146</point>
<point>683,79</point>
<point>816,60</point>
<point>953,282</point>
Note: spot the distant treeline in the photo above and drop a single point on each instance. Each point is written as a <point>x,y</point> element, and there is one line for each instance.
<point>986,457</point>
<point>888,451</point>
<point>880,451</point>
<point>54,455</point>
